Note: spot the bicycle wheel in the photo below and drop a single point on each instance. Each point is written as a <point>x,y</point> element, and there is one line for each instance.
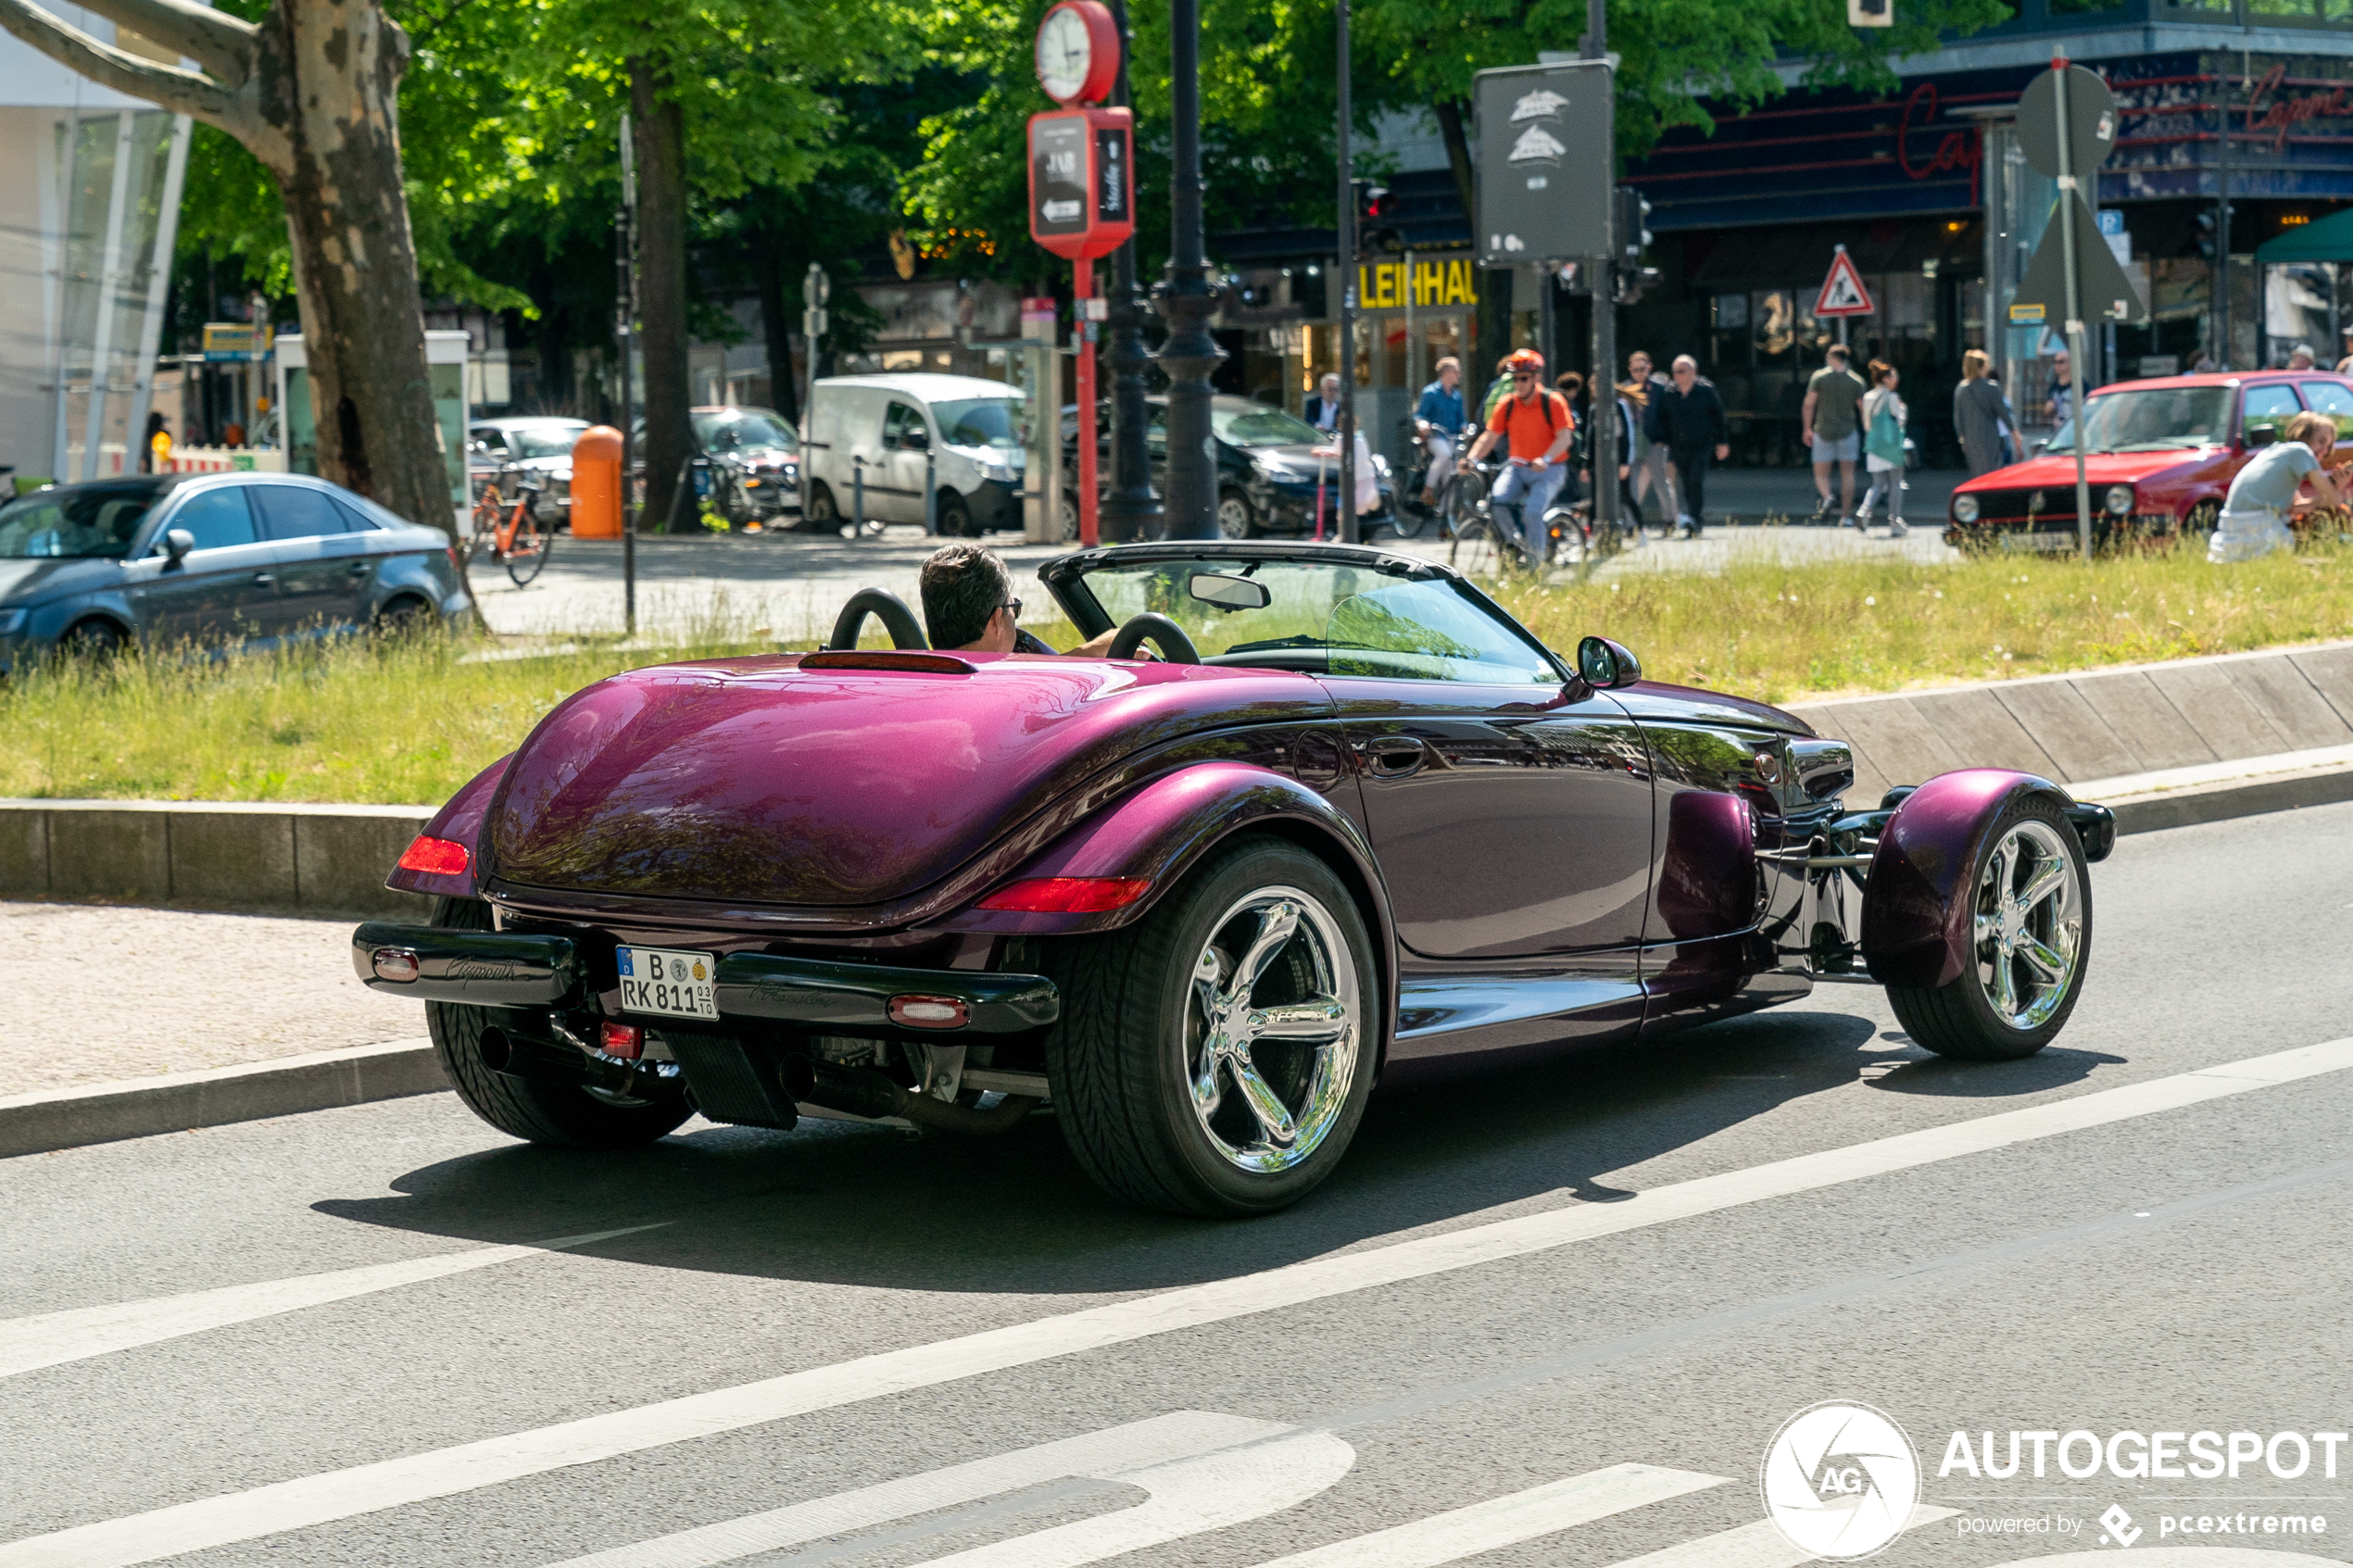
<point>1476,550</point>
<point>529,552</point>
<point>485,538</point>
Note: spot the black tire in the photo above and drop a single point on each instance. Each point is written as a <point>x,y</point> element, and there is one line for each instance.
<point>1121,1059</point>
<point>94,641</point>
<point>2197,526</point>
<point>821,514</point>
<point>1407,521</point>
<point>1236,519</point>
<point>1961,1019</point>
<point>528,554</point>
<point>404,617</point>
<point>956,516</point>
<point>564,1115</point>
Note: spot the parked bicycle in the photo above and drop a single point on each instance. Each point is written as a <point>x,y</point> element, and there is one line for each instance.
<point>517,539</point>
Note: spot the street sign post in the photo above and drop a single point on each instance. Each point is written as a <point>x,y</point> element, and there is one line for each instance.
<point>1843,292</point>
<point>1544,180</point>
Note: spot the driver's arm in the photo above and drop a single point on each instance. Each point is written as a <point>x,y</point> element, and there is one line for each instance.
<point>1095,647</point>
<point>2322,482</point>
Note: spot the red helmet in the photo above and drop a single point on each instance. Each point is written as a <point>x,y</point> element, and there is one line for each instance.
<point>1526,359</point>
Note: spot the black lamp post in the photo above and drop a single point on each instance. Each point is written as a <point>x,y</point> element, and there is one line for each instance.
<point>1186,299</point>
<point>1132,509</point>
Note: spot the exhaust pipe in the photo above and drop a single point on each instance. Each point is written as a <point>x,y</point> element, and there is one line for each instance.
<point>860,1091</point>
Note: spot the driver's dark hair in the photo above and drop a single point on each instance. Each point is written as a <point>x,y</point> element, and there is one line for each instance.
<point>962,586</point>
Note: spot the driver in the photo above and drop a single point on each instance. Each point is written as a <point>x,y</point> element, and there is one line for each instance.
<point>969,606</point>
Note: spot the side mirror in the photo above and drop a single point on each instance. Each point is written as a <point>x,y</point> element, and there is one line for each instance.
<point>177,543</point>
<point>1605,665</point>
<point>2261,435</point>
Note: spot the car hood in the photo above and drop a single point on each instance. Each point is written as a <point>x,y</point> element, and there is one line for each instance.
<point>2099,467</point>
<point>1299,458</point>
<point>25,582</point>
<point>754,781</point>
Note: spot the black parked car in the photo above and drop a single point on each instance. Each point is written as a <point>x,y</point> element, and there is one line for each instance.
<point>258,558</point>
<point>1266,467</point>
<point>747,461</point>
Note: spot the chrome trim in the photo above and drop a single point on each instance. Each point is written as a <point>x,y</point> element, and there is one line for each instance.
<point>2028,928</point>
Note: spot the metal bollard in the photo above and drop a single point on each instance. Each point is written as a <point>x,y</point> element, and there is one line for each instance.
<point>858,497</point>
<point>931,491</point>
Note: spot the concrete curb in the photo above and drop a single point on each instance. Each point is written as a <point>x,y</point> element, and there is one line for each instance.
<point>175,1103</point>
<point>2220,802</point>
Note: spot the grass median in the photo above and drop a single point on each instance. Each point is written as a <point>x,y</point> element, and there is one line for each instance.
<point>409,720</point>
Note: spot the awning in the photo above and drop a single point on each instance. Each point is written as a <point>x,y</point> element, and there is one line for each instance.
<point>2325,239</point>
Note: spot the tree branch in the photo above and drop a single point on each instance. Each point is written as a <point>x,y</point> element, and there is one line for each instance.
<point>214,40</point>
<point>183,92</point>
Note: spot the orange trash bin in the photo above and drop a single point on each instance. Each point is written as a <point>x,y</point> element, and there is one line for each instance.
<point>596,483</point>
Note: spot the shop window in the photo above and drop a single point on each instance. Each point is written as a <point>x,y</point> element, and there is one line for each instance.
<point>2338,12</point>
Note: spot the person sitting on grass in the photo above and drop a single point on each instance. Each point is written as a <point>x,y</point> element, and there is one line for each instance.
<point>969,606</point>
<point>2272,488</point>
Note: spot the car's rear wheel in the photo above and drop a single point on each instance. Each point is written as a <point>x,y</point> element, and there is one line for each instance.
<point>1214,1058</point>
<point>1236,518</point>
<point>2031,935</point>
<point>566,1115</point>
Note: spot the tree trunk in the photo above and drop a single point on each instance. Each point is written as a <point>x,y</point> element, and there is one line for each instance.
<point>775,324</point>
<point>660,125</point>
<point>1494,320</point>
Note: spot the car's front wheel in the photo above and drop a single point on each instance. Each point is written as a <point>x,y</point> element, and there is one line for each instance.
<point>1214,1058</point>
<point>1236,519</point>
<point>2029,911</point>
<point>567,1115</point>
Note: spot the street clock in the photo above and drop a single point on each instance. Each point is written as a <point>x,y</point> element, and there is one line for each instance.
<point>1078,52</point>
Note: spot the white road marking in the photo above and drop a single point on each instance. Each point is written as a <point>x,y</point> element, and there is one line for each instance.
<point>52,1338</point>
<point>1752,1546</point>
<point>341,1494</point>
<point>1506,1521</point>
<point>1139,1453</point>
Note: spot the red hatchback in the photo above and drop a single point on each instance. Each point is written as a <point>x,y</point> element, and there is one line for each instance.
<point>2161,455</point>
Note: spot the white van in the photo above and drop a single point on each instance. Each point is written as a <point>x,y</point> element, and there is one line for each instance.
<point>885,426</point>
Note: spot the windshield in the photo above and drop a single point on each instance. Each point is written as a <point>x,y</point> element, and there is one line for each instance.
<point>95,521</point>
<point>745,430</point>
<point>979,421</point>
<point>1343,617</point>
<point>1241,423</point>
<point>2160,419</point>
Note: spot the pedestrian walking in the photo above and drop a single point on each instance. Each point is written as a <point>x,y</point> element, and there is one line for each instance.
<point>1437,420</point>
<point>1630,422</point>
<point>2055,407</point>
<point>1322,411</point>
<point>1535,423</point>
<point>1367,479</point>
<point>1884,416</point>
<point>2267,492</point>
<point>1651,470</point>
<point>1981,415</point>
<point>1832,421</point>
<point>1688,419</point>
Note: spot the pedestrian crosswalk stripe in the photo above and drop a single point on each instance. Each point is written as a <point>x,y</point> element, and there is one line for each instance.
<point>27,1344</point>
<point>1505,1521</point>
<point>465,1467</point>
<point>1752,1546</point>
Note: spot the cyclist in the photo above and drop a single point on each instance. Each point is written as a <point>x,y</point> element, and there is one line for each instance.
<point>1536,424</point>
<point>1436,419</point>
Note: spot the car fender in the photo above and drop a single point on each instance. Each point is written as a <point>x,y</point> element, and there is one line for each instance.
<point>1917,930</point>
<point>460,820</point>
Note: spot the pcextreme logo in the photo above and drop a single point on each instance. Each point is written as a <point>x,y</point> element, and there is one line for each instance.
<point>1840,1480</point>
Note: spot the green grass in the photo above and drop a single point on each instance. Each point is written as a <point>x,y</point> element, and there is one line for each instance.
<point>408,721</point>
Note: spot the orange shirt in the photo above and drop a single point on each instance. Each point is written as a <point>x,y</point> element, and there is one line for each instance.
<point>1529,426</point>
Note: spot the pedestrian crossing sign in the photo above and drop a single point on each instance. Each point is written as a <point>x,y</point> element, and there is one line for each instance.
<point>1843,292</point>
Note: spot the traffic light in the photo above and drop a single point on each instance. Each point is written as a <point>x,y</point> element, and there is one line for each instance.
<point>1632,223</point>
<point>2207,224</point>
<point>1377,218</point>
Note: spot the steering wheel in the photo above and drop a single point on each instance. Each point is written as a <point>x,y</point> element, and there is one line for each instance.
<point>886,607</point>
<point>1176,648</point>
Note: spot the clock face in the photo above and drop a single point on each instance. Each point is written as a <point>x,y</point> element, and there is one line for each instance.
<point>1065,53</point>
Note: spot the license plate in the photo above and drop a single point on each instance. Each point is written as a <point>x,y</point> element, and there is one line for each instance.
<point>2066,541</point>
<point>657,980</point>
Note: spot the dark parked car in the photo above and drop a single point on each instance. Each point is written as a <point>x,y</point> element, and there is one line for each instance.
<point>1268,471</point>
<point>537,444</point>
<point>747,461</point>
<point>209,558</point>
<point>1357,826</point>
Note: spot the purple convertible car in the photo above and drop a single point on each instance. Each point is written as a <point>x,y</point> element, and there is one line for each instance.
<point>1356,824</point>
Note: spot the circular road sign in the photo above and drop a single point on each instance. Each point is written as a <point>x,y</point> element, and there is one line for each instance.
<point>2091,110</point>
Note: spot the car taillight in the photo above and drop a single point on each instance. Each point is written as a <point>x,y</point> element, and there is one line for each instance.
<point>624,1040</point>
<point>929,1013</point>
<point>1069,894</point>
<point>435,856</point>
<point>395,964</point>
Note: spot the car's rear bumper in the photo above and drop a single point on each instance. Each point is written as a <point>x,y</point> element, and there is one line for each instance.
<point>502,969</point>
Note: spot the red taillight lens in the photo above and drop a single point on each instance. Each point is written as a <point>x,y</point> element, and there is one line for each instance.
<point>1069,894</point>
<point>435,856</point>
<point>624,1040</point>
<point>929,1013</point>
<point>395,964</point>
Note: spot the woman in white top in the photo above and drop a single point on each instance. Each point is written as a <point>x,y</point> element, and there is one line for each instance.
<point>1884,416</point>
<point>1367,482</point>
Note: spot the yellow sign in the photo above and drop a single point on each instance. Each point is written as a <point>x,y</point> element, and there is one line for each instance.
<point>2025,315</point>
<point>238,340</point>
<point>1384,285</point>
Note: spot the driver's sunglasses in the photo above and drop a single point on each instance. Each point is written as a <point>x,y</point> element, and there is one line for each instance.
<point>1522,375</point>
<point>1013,605</point>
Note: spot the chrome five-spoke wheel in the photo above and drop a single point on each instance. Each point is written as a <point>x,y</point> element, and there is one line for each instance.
<point>1213,1056</point>
<point>1272,1029</point>
<point>2030,924</point>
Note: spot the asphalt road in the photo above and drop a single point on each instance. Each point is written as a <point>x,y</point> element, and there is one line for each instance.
<point>1554,1317</point>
